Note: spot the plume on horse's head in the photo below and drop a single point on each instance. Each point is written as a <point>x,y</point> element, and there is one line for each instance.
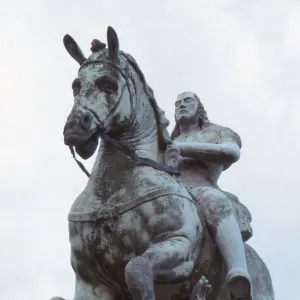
<point>127,65</point>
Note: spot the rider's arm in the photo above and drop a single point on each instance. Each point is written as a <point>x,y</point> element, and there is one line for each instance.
<point>226,153</point>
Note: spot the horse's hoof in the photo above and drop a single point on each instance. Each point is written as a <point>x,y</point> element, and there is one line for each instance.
<point>201,289</point>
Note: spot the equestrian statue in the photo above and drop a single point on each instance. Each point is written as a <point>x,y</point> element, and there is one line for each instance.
<point>152,222</point>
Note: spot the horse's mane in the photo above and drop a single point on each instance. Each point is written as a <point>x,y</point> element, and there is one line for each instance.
<point>162,121</point>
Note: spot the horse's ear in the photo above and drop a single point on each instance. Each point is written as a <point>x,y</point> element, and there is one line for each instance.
<point>74,49</point>
<point>113,43</point>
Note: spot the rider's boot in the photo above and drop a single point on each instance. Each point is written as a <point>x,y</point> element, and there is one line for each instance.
<point>231,246</point>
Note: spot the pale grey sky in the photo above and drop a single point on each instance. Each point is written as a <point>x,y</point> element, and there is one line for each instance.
<point>241,57</point>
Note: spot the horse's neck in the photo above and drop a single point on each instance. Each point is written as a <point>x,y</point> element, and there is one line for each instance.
<point>143,133</point>
<point>112,167</point>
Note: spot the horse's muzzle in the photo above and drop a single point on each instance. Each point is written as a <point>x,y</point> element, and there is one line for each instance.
<point>78,125</point>
<point>74,133</point>
<point>73,139</point>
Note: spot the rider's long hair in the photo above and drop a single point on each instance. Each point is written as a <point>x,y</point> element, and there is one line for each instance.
<point>202,117</point>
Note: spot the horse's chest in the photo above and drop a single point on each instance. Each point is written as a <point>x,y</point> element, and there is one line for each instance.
<point>102,250</point>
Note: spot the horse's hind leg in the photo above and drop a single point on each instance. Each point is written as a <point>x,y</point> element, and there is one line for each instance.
<point>165,259</point>
<point>260,276</point>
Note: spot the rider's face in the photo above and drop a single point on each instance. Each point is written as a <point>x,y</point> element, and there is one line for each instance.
<point>186,107</point>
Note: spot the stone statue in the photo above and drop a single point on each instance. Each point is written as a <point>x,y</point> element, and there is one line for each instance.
<point>136,232</point>
<point>206,151</point>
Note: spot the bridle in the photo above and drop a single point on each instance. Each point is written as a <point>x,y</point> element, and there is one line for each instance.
<point>102,133</point>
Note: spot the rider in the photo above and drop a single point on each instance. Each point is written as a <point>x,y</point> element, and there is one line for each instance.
<point>206,150</point>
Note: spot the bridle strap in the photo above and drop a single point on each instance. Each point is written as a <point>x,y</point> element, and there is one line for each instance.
<point>138,159</point>
<point>142,161</point>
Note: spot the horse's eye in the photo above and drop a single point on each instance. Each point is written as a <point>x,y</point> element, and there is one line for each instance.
<point>76,86</point>
<point>76,90</point>
<point>106,85</point>
<point>108,88</point>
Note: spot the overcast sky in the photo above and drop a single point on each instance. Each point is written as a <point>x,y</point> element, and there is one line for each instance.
<point>241,57</point>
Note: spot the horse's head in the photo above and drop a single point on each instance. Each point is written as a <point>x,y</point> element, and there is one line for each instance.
<point>110,94</point>
<point>103,94</point>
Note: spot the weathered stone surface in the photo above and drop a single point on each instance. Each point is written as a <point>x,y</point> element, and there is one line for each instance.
<point>138,230</point>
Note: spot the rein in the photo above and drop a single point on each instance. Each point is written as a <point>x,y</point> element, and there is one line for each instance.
<point>140,161</point>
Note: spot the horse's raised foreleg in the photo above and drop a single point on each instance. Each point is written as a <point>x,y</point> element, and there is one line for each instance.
<point>165,260</point>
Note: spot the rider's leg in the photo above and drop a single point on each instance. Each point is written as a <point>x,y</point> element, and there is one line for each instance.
<point>226,232</point>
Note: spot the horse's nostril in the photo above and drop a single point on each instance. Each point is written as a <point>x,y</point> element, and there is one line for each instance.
<point>86,120</point>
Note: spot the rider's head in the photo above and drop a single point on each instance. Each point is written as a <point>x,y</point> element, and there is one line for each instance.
<point>188,109</point>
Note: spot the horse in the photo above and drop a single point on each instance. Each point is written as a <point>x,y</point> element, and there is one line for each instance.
<point>135,231</point>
